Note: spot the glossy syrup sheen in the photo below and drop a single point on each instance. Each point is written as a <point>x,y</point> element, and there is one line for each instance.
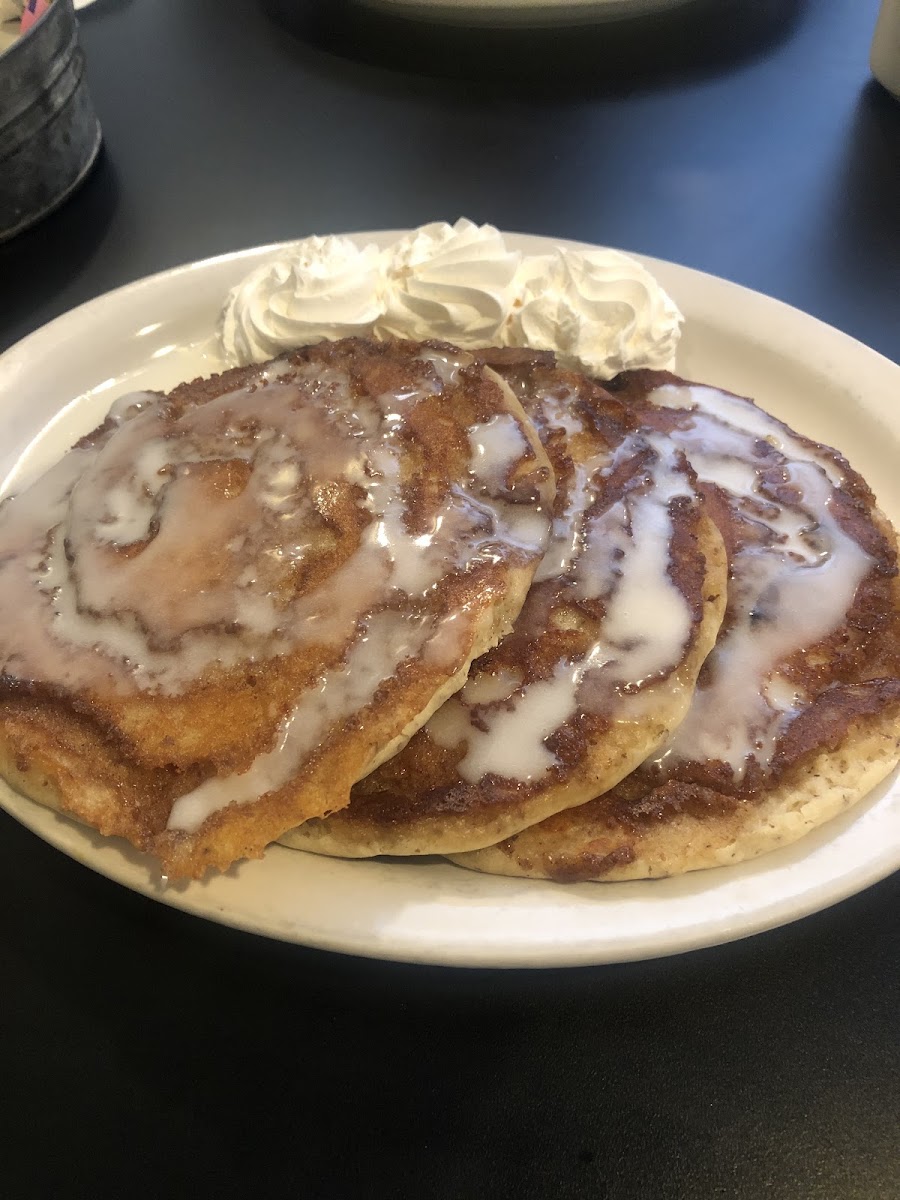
<point>794,572</point>
<point>613,554</point>
<point>173,542</point>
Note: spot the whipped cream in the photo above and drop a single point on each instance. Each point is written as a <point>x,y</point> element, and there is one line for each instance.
<point>599,310</point>
<point>326,288</point>
<point>456,282</point>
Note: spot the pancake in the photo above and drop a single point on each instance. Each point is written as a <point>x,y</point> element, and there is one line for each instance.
<point>226,605</point>
<point>797,711</point>
<point>601,663</point>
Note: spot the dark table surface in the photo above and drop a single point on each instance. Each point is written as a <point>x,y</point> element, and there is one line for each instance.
<point>148,1053</point>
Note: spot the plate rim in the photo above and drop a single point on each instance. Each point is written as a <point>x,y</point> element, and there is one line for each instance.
<point>9,357</point>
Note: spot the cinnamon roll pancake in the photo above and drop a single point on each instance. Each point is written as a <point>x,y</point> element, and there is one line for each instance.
<point>227,604</point>
<point>602,661</point>
<point>797,711</point>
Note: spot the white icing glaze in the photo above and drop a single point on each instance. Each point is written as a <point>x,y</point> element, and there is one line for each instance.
<point>130,404</point>
<point>388,640</point>
<point>556,410</point>
<point>166,546</point>
<point>512,745</point>
<point>647,620</point>
<point>791,584</point>
<point>489,687</point>
<point>620,556</point>
<point>735,418</point>
<point>446,364</point>
<point>496,446</point>
<point>567,534</point>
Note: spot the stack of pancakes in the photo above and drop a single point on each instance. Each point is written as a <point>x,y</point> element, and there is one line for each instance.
<point>398,598</point>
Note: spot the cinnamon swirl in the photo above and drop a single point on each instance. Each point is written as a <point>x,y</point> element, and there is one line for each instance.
<point>797,711</point>
<point>601,663</point>
<point>227,604</point>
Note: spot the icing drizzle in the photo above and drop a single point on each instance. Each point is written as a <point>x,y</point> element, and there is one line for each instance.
<point>181,540</point>
<point>794,572</point>
<point>614,554</point>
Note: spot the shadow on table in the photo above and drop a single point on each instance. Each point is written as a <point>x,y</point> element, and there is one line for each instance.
<point>212,1044</point>
<point>703,38</point>
<point>62,242</point>
<point>867,196</point>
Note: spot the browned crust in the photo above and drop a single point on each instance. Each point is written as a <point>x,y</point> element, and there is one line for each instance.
<point>698,814</point>
<point>683,830</point>
<point>838,673</point>
<point>118,762</point>
<point>417,803</point>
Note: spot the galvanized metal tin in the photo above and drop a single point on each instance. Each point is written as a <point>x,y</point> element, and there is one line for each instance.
<point>49,133</point>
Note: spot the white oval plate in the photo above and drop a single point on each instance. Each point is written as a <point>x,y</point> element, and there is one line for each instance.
<point>58,383</point>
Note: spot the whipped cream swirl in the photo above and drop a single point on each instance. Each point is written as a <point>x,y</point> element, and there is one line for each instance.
<point>457,282</point>
<point>599,310</point>
<point>327,288</point>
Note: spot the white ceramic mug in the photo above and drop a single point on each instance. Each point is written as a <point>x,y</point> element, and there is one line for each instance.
<point>885,55</point>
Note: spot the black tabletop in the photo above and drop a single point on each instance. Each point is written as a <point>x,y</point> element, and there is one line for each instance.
<point>149,1053</point>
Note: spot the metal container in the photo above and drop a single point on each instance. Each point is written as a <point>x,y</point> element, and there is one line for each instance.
<point>49,133</point>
